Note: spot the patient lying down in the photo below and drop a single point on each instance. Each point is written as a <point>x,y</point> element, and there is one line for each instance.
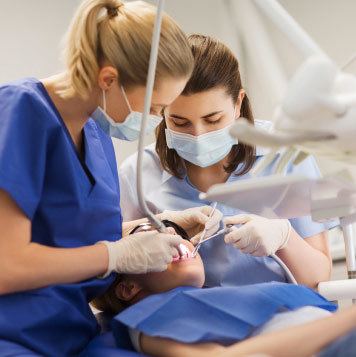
<point>168,314</point>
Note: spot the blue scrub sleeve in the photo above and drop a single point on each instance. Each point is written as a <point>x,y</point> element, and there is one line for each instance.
<point>305,226</point>
<point>23,146</point>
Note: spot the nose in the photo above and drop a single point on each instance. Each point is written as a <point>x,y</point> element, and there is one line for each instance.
<point>198,130</point>
<point>171,230</point>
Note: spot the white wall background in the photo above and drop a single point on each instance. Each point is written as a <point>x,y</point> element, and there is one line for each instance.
<point>31,32</point>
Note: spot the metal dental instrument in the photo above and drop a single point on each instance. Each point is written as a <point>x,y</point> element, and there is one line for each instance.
<point>195,251</point>
<point>225,230</point>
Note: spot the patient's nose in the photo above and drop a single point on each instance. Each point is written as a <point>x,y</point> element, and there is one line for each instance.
<point>171,230</point>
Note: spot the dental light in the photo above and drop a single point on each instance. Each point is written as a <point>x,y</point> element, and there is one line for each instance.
<point>318,113</point>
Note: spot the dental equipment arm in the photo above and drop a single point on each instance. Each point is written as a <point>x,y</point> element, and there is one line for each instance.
<point>317,116</point>
<point>290,27</point>
<point>252,135</point>
<point>147,105</point>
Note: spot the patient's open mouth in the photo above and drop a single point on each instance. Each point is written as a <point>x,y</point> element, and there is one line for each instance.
<point>184,253</point>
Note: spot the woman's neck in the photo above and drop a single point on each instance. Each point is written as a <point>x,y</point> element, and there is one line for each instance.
<point>204,177</point>
<point>74,110</point>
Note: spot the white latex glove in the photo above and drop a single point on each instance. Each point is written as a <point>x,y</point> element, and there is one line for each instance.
<point>194,220</point>
<point>142,252</point>
<point>258,236</point>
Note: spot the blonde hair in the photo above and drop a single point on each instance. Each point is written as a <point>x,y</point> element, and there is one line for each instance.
<point>120,34</point>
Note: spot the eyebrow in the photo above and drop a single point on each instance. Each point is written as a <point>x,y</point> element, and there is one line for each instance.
<point>211,114</point>
<point>203,117</point>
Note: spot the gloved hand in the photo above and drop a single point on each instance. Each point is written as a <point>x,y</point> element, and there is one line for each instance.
<point>194,220</point>
<point>258,236</point>
<point>142,252</point>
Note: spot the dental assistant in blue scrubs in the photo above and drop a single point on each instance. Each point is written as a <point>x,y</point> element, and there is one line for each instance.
<point>194,150</point>
<point>59,188</point>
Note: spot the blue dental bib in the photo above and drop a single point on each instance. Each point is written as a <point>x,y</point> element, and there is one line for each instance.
<point>223,314</point>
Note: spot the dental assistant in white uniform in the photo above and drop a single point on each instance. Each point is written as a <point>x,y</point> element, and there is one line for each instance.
<point>194,151</point>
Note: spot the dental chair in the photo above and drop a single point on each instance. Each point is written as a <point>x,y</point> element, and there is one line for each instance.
<point>343,289</point>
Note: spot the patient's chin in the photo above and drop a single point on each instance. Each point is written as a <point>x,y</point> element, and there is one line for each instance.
<point>184,271</point>
<point>193,279</point>
<point>178,274</point>
<point>188,273</point>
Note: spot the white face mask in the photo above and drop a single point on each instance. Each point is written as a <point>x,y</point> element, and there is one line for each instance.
<point>203,150</point>
<point>129,129</point>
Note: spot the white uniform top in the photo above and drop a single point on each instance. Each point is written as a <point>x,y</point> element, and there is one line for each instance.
<point>224,264</point>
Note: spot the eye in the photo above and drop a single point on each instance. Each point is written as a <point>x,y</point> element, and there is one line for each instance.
<point>214,122</point>
<point>180,125</point>
<point>179,122</point>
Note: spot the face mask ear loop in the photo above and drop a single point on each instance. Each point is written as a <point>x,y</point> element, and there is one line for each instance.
<point>104,101</point>
<point>234,116</point>
<point>126,100</point>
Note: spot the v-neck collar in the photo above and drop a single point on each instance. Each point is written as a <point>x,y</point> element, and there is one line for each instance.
<point>82,160</point>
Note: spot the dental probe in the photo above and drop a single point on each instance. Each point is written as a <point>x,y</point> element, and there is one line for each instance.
<point>225,230</point>
<point>204,230</point>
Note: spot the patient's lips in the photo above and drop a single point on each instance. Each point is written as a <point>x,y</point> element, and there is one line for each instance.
<point>184,253</point>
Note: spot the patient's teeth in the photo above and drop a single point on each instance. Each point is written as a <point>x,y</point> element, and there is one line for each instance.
<point>184,252</point>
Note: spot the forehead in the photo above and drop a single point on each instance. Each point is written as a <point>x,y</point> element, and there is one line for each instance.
<point>147,227</point>
<point>202,102</point>
<point>167,90</point>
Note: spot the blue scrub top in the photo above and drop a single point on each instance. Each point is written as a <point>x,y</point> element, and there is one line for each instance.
<point>71,203</point>
<point>224,264</point>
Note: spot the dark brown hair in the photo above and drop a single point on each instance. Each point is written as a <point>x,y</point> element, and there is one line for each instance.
<point>108,301</point>
<point>214,66</point>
